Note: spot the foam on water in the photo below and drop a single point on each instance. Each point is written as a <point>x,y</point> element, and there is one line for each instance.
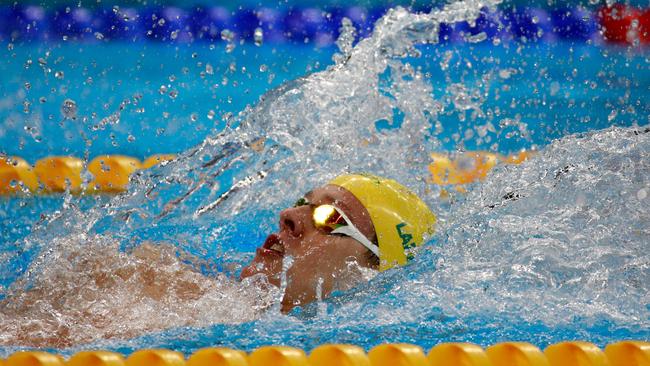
<point>559,238</point>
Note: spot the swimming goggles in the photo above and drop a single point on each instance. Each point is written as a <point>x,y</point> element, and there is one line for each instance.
<point>332,219</point>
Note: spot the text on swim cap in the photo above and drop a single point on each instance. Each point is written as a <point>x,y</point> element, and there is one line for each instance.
<point>407,241</point>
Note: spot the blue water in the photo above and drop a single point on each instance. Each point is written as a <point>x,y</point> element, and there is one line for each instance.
<point>557,89</point>
<point>513,286</point>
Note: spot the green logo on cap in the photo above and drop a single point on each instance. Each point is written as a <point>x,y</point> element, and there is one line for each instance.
<point>407,240</point>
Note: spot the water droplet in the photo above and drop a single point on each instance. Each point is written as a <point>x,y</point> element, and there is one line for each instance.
<point>506,73</point>
<point>194,117</point>
<point>10,47</point>
<point>173,93</point>
<point>28,85</point>
<point>476,38</point>
<point>208,69</point>
<point>612,115</point>
<point>99,36</point>
<point>69,109</point>
<point>641,194</point>
<point>211,114</point>
<point>174,34</point>
<point>554,88</point>
<point>162,90</point>
<point>26,105</point>
<point>33,132</point>
<point>42,99</point>
<point>258,36</point>
<point>226,116</point>
<point>263,68</point>
<point>130,138</point>
<point>227,35</point>
<point>444,64</point>
<point>59,75</point>
<point>172,78</point>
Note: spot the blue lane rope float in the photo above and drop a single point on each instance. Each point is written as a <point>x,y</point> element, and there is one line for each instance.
<point>618,24</point>
<point>574,353</point>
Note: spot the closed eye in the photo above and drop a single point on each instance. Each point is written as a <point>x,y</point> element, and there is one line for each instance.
<point>302,201</point>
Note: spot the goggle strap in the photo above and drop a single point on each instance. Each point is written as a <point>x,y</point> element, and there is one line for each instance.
<point>351,231</point>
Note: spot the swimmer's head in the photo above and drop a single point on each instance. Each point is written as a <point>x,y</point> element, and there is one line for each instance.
<point>356,221</point>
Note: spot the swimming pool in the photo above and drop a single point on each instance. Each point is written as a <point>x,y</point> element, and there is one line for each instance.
<point>549,250</point>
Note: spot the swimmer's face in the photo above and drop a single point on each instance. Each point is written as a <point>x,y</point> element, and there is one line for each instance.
<point>317,255</point>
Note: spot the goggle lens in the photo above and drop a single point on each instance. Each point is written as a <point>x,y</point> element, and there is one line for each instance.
<point>327,217</point>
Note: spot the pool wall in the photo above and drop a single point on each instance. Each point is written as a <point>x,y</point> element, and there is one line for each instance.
<point>320,25</point>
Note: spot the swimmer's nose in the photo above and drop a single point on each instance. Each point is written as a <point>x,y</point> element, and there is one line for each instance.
<point>293,220</point>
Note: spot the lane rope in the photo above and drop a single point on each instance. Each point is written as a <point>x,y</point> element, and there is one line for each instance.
<point>111,173</point>
<point>56,174</point>
<point>572,353</point>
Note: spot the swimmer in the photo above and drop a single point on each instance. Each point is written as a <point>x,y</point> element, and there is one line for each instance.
<point>371,221</point>
<point>353,222</point>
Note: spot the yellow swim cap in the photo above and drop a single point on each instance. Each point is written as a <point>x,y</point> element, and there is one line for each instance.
<point>400,217</point>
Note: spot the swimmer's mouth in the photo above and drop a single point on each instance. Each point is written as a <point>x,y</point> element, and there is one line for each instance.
<point>272,245</point>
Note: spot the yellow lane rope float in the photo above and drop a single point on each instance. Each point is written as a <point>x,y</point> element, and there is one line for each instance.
<point>112,172</point>
<point>15,175</point>
<point>56,173</point>
<point>575,353</point>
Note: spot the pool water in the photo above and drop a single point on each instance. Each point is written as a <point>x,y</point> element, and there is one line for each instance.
<point>553,249</point>
<point>556,89</point>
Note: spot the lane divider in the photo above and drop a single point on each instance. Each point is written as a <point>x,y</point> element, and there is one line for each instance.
<point>516,354</point>
<point>110,173</point>
<point>573,353</point>
<point>628,353</point>
<point>576,353</point>
<point>472,166</point>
